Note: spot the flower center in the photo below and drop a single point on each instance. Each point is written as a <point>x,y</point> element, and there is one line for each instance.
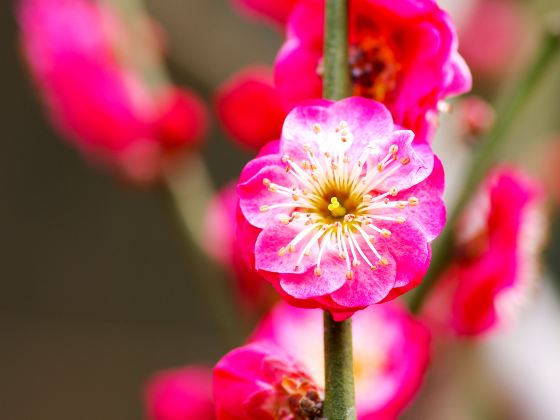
<point>338,205</point>
<point>374,68</point>
<point>336,208</point>
<point>304,401</point>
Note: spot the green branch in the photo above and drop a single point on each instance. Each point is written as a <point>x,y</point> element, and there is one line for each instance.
<point>339,372</point>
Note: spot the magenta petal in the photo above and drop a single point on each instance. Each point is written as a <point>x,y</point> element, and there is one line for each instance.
<point>430,213</point>
<point>309,285</point>
<point>253,194</point>
<point>420,156</point>
<point>368,286</point>
<point>268,245</point>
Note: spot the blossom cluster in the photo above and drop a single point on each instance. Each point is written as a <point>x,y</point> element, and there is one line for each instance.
<point>338,209</point>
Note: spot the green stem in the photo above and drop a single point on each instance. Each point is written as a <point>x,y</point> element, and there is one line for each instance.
<point>336,79</point>
<point>190,191</point>
<point>484,159</point>
<point>339,372</point>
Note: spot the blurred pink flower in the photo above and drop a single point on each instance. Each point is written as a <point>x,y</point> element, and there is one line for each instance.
<point>493,35</point>
<point>339,214</point>
<point>391,353</point>
<point>254,292</point>
<point>499,239</point>
<point>476,116</point>
<point>180,394</point>
<point>275,11</point>
<point>260,381</point>
<point>250,108</point>
<point>95,95</point>
<point>402,53</point>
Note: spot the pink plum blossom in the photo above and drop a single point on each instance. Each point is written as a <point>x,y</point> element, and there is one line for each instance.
<point>391,352</point>
<point>498,241</point>
<point>180,394</point>
<point>402,53</point>
<point>80,54</point>
<point>476,116</point>
<point>250,108</point>
<point>261,381</point>
<point>339,214</point>
<point>275,11</point>
<point>255,294</point>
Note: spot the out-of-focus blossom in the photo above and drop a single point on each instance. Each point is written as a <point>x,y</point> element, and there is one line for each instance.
<point>402,53</point>
<point>476,116</point>
<point>341,211</point>
<point>254,292</point>
<point>181,394</point>
<point>275,11</point>
<point>492,36</point>
<point>80,55</point>
<point>391,352</point>
<point>261,381</point>
<point>498,241</point>
<point>250,108</point>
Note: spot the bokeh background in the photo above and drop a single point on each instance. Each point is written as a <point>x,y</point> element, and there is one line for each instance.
<point>96,280</point>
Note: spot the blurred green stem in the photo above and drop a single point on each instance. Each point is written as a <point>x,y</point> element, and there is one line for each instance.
<point>339,373</point>
<point>190,190</point>
<point>485,156</point>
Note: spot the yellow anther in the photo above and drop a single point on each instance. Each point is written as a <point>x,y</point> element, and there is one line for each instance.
<point>343,124</point>
<point>284,219</point>
<point>413,201</point>
<point>393,149</point>
<point>405,160</point>
<point>317,271</point>
<point>394,191</point>
<point>266,182</point>
<point>373,268</point>
<point>401,220</point>
<point>291,248</point>
<point>385,233</point>
<point>349,275</point>
<point>316,128</point>
<point>282,252</point>
<point>355,263</point>
<point>380,167</point>
<point>384,261</point>
<point>263,209</point>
